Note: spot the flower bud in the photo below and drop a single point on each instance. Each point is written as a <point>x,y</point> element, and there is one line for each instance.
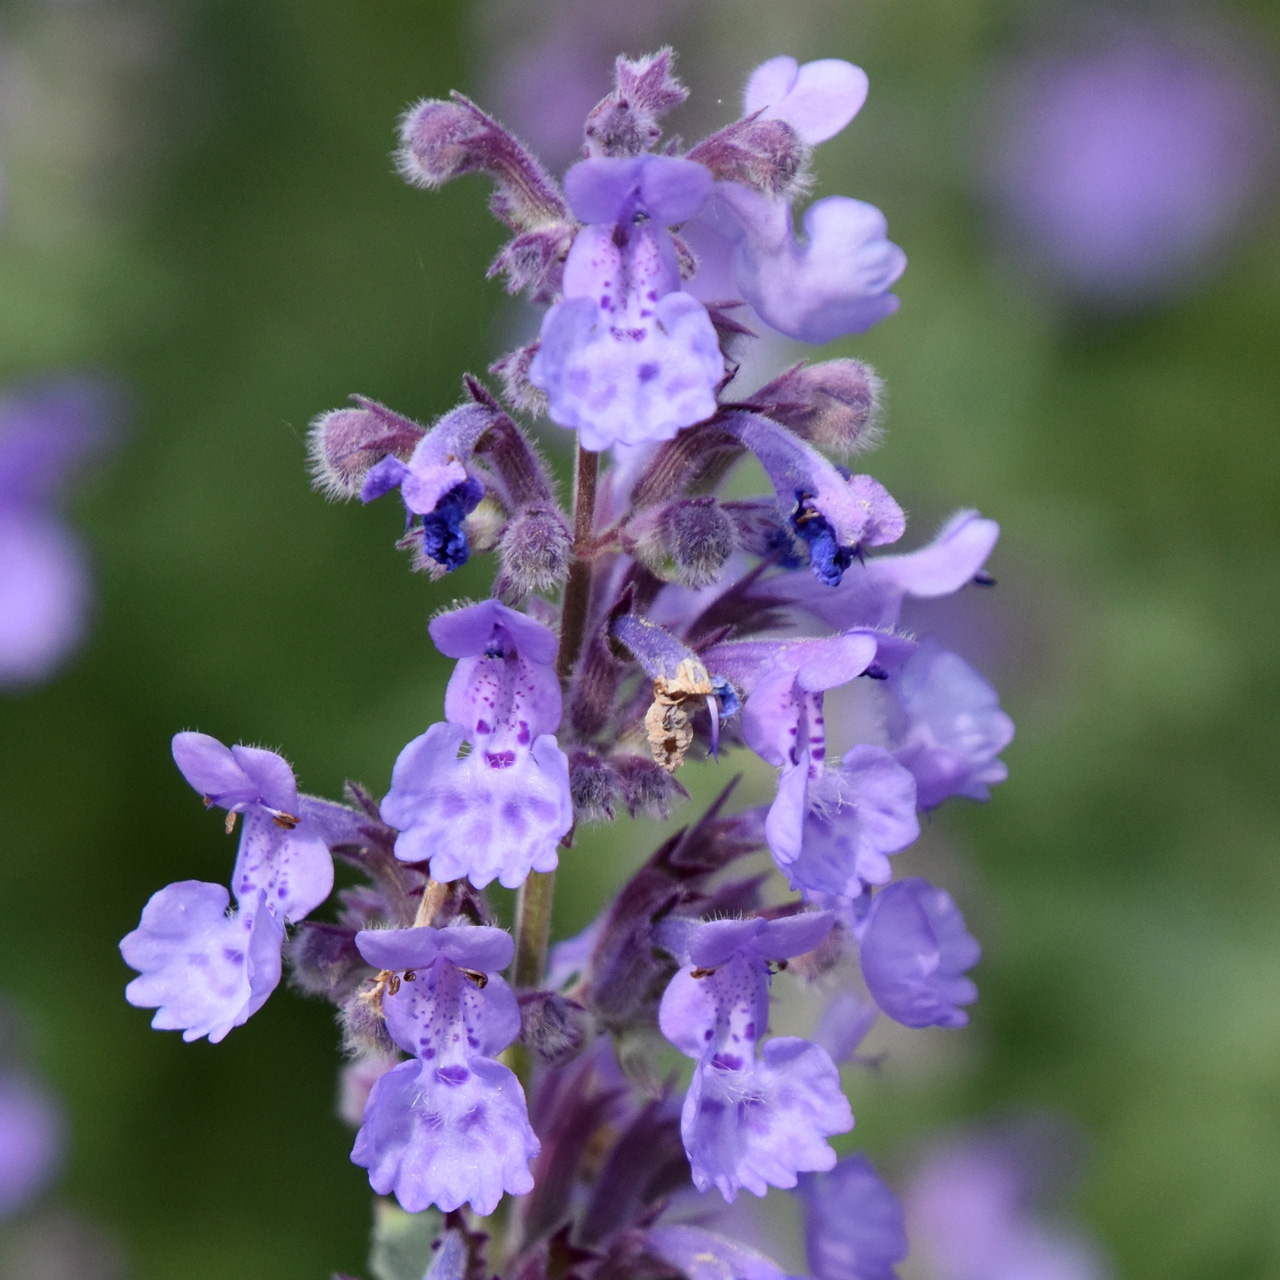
<point>535,548</point>
<point>685,541</point>
<point>766,155</point>
<point>323,960</point>
<point>835,404</point>
<point>345,443</point>
<point>626,122</point>
<point>595,787</point>
<point>513,369</point>
<point>551,1025</point>
<point>440,141</point>
<point>647,788</point>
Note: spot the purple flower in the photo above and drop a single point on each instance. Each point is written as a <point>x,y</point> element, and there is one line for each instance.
<point>705,1255</point>
<point>831,830</point>
<point>629,356</point>
<point>748,1121</point>
<point>205,970</point>
<point>435,484</point>
<point>838,280</point>
<point>44,581</point>
<point>817,100</point>
<point>872,592</point>
<point>501,809</point>
<point>1124,161</point>
<point>853,1223</point>
<point>31,1140</point>
<point>834,283</point>
<point>833,513</point>
<point>973,1215</point>
<point>950,729</point>
<point>915,951</point>
<point>450,1126</point>
<point>828,829</point>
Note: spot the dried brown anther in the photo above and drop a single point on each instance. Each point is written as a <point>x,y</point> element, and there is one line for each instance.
<point>667,722</point>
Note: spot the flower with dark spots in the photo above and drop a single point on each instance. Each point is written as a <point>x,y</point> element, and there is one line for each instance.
<point>500,810</point>
<point>451,1126</point>
<point>748,1120</point>
<point>629,356</point>
<point>205,970</point>
<point>828,828</point>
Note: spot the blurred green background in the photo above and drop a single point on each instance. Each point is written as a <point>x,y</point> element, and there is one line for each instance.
<point>201,202</point>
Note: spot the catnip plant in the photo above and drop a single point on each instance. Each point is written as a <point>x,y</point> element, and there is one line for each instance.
<point>509,1091</point>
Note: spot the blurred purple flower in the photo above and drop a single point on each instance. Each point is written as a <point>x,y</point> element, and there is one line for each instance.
<point>45,592</point>
<point>31,1140</point>
<point>949,729</point>
<point>972,1211</point>
<point>1122,162</point>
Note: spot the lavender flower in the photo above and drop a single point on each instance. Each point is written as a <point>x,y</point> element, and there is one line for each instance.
<point>835,514</point>
<point>950,728</point>
<point>205,970</point>
<point>915,950</point>
<point>828,829</point>
<point>854,1228</point>
<point>45,591</point>
<point>449,1127</point>
<point>435,484</point>
<point>628,356</point>
<point>872,592</point>
<point>836,282</point>
<point>500,810</point>
<point>748,1121</point>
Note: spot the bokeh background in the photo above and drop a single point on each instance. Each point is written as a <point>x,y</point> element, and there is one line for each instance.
<point>199,203</point>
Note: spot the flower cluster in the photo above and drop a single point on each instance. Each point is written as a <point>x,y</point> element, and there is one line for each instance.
<point>654,625</point>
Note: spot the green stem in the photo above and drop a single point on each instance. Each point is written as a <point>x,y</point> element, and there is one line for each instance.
<point>577,589</point>
<point>537,894</point>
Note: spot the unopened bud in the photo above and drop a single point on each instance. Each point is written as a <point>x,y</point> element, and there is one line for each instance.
<point>626,122</point>
<point>835,404</point>
<point>685,541</point>
<point>323,960</point>
<point>513,369</point>
<point>535,548</point>
<point>344,443</point>
<point>595,787</point>
<point>766,155</point>
<point>440,141</point>
<point>647,788</point>
<point>551,1025</point>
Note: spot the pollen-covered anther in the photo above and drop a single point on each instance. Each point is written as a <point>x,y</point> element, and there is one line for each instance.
<point>667,721</point>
